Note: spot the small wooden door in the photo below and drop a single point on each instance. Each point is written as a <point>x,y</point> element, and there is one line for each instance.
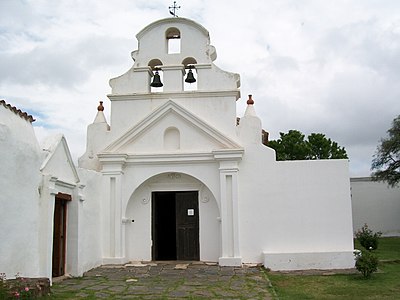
<point>175,229</point>
<point>187,226</point>
<point>59,234</point>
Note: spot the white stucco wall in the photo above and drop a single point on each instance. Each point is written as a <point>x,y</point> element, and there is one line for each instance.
<point>20,159</point>
<point>377,205</point>
<point>90,235</point>
<point>300,208</point>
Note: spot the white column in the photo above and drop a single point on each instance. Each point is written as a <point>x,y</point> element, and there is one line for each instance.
<point>228,169</point>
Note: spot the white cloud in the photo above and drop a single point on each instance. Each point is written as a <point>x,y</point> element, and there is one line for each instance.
<point>316,66</point>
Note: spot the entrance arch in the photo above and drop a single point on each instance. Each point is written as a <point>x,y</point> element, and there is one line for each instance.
<point>175,193</point>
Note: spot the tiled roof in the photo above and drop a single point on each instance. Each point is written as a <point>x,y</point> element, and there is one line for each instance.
<point>17,111</point>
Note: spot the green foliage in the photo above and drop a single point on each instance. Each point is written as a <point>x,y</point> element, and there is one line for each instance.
<point>367,238</point>
<point>294,146</point>
<point>3,290</point>
<point>15,289</point>
<point>386,162</point>
<point>366,262</point>
<point>290,146</point>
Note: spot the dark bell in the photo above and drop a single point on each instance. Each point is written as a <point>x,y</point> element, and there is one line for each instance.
<point>190,78</point>
<point>156,80</point>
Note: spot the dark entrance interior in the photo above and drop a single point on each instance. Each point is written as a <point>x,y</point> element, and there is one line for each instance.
<point>59,234</point>
<point>175,225</point>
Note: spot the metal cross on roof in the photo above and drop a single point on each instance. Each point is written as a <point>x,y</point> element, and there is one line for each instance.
<point>172,9</point>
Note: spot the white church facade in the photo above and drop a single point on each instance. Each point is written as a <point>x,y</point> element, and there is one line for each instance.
<point>172,177</point>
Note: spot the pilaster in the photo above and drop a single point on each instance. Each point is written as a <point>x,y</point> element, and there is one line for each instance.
<point>228,170</point>
<point>113,231</point>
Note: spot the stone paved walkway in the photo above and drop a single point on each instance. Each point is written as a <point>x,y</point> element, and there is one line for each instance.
<point>164,280</point>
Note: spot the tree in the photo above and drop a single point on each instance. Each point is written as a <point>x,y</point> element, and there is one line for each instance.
<point>386,162</point>
<point>293,146</point>
<point>290,146</point>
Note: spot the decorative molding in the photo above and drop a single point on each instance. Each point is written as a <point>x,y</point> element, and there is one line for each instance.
<point>203,66</point>
<point>228,154</point>
<point>174,68</point>
<point>205,199</point>
<point>205,195</point>
<point>170,158</point>
<point>174,176</point>
<point>143,69</point>
<point>126,221</point>
<point>112,173</point>
<point>53,191</point>
<point>117,158</point>
<point>81,196</point>
<point>175,95</point>
<point>168,186</point>
<point>65,184</point>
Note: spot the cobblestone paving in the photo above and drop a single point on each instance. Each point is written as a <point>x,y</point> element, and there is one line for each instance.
<point>166,281</point>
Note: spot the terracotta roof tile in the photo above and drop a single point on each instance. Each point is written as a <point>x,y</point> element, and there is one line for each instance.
<point>17,111</point>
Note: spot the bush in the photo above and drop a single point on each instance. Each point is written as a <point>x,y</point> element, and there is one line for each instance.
<point>366,263</point>
<point>15,289</point>
<point>367,238</point>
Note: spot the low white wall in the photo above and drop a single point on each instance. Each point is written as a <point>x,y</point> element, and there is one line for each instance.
<point>313,260</point>
<point>298,207</point>
<point>376,204</point>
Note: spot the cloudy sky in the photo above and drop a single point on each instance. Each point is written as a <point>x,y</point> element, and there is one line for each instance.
<point>316,66</point>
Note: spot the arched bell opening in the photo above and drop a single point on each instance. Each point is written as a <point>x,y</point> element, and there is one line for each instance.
<point>171,198</point>
<point>190,77</point>
<point>157,79</point>
<point>173,40</point>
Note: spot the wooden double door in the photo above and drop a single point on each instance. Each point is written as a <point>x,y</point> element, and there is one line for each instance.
<point>175,225</point>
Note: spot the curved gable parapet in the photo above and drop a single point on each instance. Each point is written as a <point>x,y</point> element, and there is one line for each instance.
<point>169,21</point>
<point>187,36</point>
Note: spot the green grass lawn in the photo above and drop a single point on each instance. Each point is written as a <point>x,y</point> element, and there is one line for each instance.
<point>385,284</point>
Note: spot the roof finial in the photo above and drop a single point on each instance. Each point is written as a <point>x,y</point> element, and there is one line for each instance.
<point>100,107</point>
<point>250,101</point>
<point>172,9</point>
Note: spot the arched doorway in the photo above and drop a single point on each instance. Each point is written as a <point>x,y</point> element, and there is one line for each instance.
<point>172,216</point>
